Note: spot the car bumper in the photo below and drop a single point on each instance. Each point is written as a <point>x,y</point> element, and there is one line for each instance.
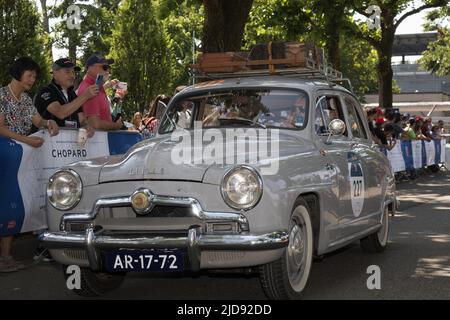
<point>195,243</point>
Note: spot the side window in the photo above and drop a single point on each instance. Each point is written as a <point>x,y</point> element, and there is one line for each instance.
<point>180,115</point>
<point>327,109</point>
<point>168,122</point>
<point>355,122</point>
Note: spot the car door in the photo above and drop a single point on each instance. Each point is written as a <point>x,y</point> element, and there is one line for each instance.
<point>334,149</point>
<point>370,156</point>
<point>364,174</point>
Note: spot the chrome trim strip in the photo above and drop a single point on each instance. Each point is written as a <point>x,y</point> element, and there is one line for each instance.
<point>140,242</point>
<point>91,250</point>
<point>353,237</point>
<point>194,242</point>
<point>193,248</point>
<point>158,200</point>
<point>71,240</point>
<point>63,240</point>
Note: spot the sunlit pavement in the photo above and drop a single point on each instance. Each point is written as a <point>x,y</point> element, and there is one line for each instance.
<point>416,264</point>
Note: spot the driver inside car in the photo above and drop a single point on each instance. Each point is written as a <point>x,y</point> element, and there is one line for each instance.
<point>296,117</point>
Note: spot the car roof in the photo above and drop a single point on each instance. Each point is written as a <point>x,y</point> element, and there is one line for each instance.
<point>285,82</point>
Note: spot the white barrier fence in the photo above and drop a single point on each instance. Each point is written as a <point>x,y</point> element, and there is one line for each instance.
<point>25,172</point>
<point>409,155</point>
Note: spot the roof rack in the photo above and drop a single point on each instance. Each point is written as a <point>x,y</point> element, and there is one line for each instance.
<point>311,70</point>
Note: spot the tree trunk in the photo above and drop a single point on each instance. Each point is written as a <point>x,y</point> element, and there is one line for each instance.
<point>333,50</point>
<point>384,68</point>
<point>72,49</point>
<point>334,15</point>
<point>224,24</point>
<point>45,23</point>
<point>385,73</point>
<point>46,27</point>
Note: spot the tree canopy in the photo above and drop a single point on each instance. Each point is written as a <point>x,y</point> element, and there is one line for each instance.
<point>18,39</point>
<point>155,41</point>
<point>437,57</point>
<point>141,53</point>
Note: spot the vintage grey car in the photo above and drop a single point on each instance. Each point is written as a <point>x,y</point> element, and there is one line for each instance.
<point>206,193</point>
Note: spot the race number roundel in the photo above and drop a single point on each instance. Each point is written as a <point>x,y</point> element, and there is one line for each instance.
<point>356,183</point>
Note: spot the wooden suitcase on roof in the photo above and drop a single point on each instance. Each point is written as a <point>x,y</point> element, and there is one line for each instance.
<point>299,52</point>
<point>281,55</point>
<point>262,53</point>
<point>271,56</point>
<point>222,62</point>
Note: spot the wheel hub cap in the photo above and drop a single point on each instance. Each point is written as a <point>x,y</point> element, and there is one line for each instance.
<point>296,247</point>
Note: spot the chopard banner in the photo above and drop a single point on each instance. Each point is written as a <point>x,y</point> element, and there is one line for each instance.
<point>24,172</point>
<point>409,155</point>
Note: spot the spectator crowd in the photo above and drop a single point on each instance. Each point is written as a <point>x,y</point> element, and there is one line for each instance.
<point>391,127</point>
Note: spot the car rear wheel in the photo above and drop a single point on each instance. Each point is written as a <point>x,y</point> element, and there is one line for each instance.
<point>377,242</point>
<point>286,277</point>
<point>94,284</point>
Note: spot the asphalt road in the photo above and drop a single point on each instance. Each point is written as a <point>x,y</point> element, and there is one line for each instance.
<point>416,264</point>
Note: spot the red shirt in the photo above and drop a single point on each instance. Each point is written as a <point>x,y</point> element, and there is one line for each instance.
<point>98,105</point>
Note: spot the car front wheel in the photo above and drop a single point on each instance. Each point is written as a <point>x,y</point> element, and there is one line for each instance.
<point>286,277</point>
<point>94,284</point>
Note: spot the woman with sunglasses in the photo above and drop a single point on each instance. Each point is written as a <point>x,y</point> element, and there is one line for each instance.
<point>17,115</point>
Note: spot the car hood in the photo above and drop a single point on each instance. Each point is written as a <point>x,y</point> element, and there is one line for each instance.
<point>89,170</point>
<point>186,156</point>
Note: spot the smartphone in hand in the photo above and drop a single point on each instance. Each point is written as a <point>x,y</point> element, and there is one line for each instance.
<point>99,80</point>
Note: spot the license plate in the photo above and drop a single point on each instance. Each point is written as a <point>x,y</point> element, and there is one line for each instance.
<point>144,260</point>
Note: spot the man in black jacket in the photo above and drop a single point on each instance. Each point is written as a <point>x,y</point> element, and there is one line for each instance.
<point>58,100</point>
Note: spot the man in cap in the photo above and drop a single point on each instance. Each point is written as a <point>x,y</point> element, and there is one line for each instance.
<point>97,109</point>
<point>58,100</point>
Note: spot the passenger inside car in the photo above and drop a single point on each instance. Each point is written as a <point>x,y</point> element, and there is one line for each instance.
<point>184,114</point>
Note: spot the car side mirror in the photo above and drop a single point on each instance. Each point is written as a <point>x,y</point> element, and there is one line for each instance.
<point>335,128</point>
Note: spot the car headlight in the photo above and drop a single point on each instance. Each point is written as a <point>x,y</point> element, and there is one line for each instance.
<point>64,189</point>
<point>242,188</point>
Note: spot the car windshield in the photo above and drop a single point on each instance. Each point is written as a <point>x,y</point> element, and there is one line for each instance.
<point>250,107</point>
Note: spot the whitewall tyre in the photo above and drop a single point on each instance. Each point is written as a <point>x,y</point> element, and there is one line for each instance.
<point>286,278</point>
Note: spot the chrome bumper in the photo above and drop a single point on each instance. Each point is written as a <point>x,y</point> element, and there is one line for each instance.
<point>93,241</point>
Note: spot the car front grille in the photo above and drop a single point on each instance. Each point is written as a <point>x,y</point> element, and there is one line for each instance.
<point>171,212</point>
<point>76,254</point>
<point>222,256</point>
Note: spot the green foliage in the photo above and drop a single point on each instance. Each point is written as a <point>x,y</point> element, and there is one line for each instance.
<point>166,30</point>
<point>359,64</point>
<point>275,20</point>
<point>20,39</point>
<point>437,57</point>
<point>152,40</point>
<point>97,22</point>
<point>68,38</point>
<point>180,19</point>
<point>299,20</point>
<point>141,53</point>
